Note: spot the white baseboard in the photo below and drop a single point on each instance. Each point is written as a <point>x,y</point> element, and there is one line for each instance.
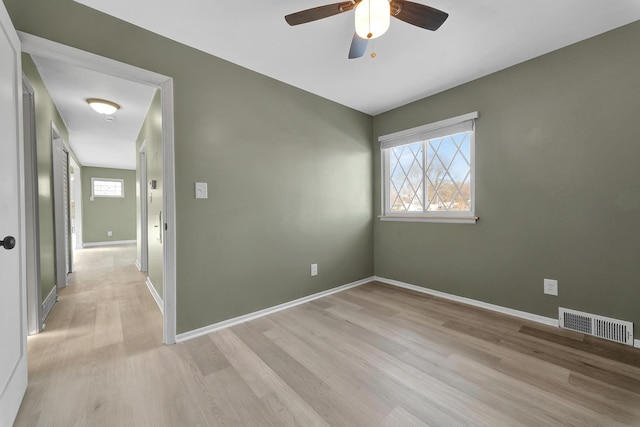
<point>49,302</point>
<point>247,317</point>
<point>109,243</point>
<point>138,266</point>
<point>517,313</point>
<point>155,295</point>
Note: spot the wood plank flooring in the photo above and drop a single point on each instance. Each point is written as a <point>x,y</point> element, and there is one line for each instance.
<point>370,356</point>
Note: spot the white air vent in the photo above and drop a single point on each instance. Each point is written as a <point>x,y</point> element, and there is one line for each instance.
<point>599,326</point>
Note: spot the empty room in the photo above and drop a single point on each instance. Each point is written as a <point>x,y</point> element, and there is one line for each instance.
<point>367,213</point>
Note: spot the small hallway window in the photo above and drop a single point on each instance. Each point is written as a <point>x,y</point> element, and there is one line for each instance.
<point>107,187</point>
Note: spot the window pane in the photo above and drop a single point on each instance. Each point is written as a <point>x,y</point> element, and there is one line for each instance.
<point>108,188</point>
<point>448,173</point>
<point>406,178</point>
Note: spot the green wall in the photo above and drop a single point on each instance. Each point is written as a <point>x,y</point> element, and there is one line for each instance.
<point>557,186</point>
<point>46,113</point>
<point>151,135</point>
<point>289,173</point>
<point>294,179</point>
<point>102,214</point>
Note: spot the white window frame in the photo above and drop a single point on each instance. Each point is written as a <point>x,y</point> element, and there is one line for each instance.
<point>93,179</point>
<point>427,132</point>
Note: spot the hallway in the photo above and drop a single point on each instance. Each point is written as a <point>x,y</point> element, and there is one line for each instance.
<point>98,334</point>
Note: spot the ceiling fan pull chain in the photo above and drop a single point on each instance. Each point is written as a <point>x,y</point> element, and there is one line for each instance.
<point>370,34</point>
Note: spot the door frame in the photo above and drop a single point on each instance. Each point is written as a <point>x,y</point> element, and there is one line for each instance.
<point>77,177</point>
<point>144,215</point>
<point>49,49</point>
<point>32,211</point>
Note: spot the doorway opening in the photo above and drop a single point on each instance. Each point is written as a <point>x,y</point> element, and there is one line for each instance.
<point>36,46</point>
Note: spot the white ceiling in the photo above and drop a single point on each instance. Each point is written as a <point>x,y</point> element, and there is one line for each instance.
<point>95,141</point>
<point>480,37</point>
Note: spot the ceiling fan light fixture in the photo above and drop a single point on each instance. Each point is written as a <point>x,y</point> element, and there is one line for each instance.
<point>372,18</point>
<point>103,106</point>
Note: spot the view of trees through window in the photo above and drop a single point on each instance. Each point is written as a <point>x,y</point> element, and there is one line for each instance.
<point>433,175</point>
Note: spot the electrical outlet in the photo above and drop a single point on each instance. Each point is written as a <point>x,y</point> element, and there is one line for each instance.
<point>314,269</point>
<point>551,287</point>
<point>109,233</point>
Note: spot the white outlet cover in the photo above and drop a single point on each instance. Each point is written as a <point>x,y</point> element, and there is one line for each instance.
<point>201,190</point>
<point>551,287</point>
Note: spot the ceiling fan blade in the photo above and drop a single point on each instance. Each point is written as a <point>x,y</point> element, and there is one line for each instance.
<point>418,14</point>
<point>358,46</point>
<point>320,12</point>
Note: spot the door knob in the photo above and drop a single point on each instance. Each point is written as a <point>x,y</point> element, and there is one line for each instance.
<point>9,242</point>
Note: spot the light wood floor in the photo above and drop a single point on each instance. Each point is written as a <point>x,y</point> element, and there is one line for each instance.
<point>371,356</point>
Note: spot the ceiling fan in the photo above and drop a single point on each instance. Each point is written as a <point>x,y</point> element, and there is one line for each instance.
<point>372,18</point>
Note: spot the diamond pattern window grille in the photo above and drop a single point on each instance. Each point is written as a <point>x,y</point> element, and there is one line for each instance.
<point>407,178</point>
<point>432,175</point>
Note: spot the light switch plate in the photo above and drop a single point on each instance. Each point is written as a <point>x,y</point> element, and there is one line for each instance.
<point>201,190</point>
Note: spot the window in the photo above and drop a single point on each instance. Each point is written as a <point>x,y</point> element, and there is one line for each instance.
<point>428,172</point>
<point>107,187</point>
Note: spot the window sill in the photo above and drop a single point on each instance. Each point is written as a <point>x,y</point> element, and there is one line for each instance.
<point>442,219</point>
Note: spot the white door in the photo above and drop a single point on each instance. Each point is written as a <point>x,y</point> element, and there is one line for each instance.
<point>13,331</point>
<point>61,207</point>
<point>68,254</point>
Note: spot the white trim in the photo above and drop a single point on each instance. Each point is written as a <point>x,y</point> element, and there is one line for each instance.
<point>77,173</point>
<point>636,343</point>
<point>497,308</point>
<point>451,219</point>
<point>38,46</point>
<point>48,304</point>
<point>49,49</point>
<point>143,181</point>
<point>169,206</point>
<point>109,243</point>
<point>138,266</point>
<point>386,141</point>
<point>154,294</point>
<point>94,195</point>
<point>34,306</point>
<point>247,317</point>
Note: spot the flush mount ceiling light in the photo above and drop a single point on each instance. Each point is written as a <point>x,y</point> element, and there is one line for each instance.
<point>103,106</point>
